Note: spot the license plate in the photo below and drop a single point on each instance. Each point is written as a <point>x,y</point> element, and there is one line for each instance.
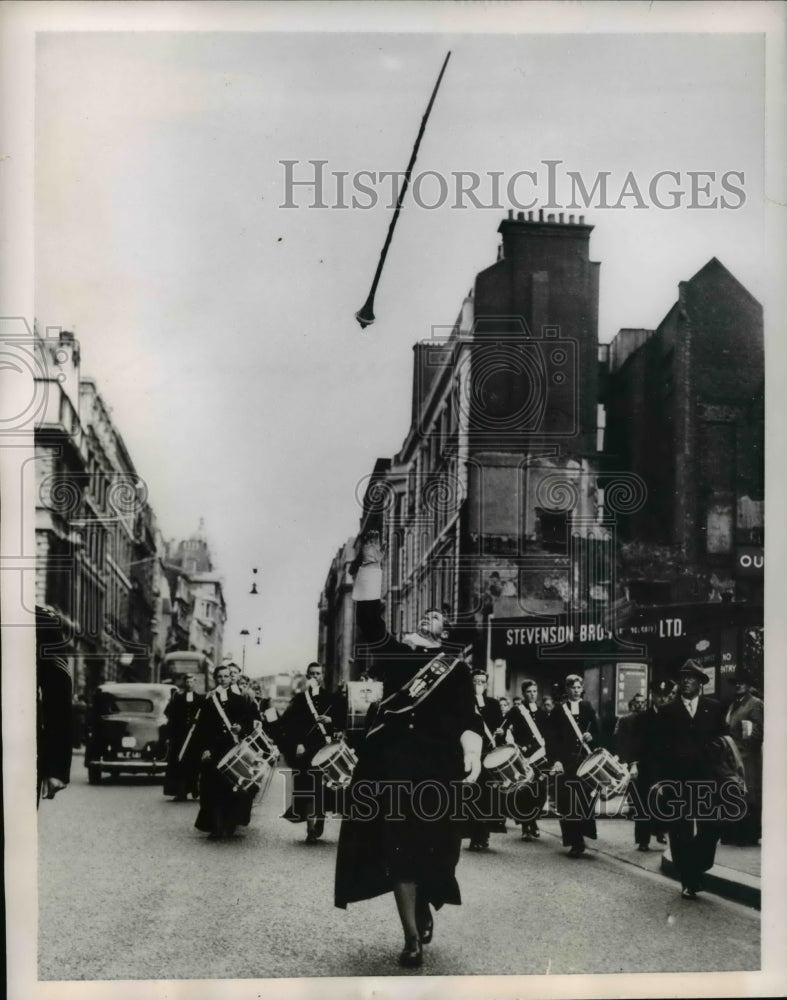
<point>129,754</point>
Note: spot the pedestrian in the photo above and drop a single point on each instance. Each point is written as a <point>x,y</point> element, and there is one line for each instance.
<point>182,777</point>
<point>548,704</point>
<point>487,819</point>
<point>745,720</point>
<point>625,727</point>
<point>685,731</point>
<point>423,743</point>
<point>314,718</point>
<point>643,760</point>
<point>53,707</point>
<point>573,729</point>
<point>78,719</point>
<point>505,704</point>
<point>224,719</point>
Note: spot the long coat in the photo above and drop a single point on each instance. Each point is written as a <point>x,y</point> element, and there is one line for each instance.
<point>296,726</point>
<point>749,709</point>
<point>181,714</point>
<point>221,809</point>
<point>53,708</point>
<point>415,754</point>
<point>573,802</point>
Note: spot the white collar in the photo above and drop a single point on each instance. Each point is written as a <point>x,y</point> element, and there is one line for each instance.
<point>189,696</point>
<point>222,693</point>
<point>417,641</point>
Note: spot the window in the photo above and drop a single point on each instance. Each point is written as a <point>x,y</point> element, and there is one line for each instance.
<point>552,530</point>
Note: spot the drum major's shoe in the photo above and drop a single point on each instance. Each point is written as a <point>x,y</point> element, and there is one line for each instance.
<point>412,955</point>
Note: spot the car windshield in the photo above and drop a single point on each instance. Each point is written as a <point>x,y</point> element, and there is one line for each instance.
<point>110,704</point>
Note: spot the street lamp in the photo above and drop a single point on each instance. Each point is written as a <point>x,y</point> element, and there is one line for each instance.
<point>243,632</point>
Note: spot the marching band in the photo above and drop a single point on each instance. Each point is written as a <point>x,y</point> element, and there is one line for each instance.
<point>435,729</point>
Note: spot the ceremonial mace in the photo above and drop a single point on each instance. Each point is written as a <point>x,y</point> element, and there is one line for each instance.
<point>365,314</point>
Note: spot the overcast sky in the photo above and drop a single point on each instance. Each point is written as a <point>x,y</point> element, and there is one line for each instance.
<point>220,327</point>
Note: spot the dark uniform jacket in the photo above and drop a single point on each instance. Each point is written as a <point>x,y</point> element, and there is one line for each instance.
<point>297,723</point>
<point>562,741</point>
<point>685,741</point>
<point>521,731</point>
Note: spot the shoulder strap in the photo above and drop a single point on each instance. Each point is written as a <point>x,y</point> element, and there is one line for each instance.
<point>223,715</point>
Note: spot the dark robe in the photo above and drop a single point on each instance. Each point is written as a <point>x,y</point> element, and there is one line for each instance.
<point>221,809</point>
<point>644,749</point>
<point>526,803</point>
<point>575,803</point>
<point>182,776</point>
<point>410,769</point>
<point>686,755</point>
<point>53,709</point>
<point>297,725</point>
<point>490,817</point>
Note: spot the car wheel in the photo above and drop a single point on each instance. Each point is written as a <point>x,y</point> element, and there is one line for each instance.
<point>93,774</point>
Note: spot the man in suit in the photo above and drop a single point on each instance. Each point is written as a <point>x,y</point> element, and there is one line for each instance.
<point>314,718</point>
<point>625,727</point>
<point>53,683</point>
<point>492,715</point>
<point>182,777</point>
<point>685,730</point>
<point>642,754</point>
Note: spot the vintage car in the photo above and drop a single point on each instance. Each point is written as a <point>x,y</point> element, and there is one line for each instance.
<point>127,730</point>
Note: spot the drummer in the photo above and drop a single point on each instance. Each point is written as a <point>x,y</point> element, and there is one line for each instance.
<point>314,718</point>
<point>573,729</point>
<point>492,715</point>
<point>223,720</point>
<point>530,728</point>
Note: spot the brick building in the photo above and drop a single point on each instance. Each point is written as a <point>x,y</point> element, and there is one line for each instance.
<point>685,411</point>
<point>490,509</point>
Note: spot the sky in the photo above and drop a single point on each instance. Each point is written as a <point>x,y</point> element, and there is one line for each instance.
<point>220,326</point>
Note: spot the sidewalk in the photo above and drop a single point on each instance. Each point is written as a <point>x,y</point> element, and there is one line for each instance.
<point>736,874</point>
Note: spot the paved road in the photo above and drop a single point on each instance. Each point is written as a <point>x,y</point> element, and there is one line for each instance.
<point>130,890</point>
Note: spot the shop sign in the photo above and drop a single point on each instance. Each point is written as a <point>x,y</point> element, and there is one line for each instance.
<point>749,560</point>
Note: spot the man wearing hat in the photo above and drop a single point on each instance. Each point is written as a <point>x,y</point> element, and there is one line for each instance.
<point>685,729</point>
<point>643,756</point>
<point>745,719</point>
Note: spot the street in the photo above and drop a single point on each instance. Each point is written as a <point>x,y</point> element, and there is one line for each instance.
<point>130,890</point>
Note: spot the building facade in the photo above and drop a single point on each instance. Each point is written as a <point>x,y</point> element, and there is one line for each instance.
<point>336,633</point>
<point>96,538</point>
<point>196,596</point>
<point>582,508</point>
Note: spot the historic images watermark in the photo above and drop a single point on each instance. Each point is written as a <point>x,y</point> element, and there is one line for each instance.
<point>550,185</point>
<point>703,800</point>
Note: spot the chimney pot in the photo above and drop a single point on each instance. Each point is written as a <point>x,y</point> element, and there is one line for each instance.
<point>582,220</point>
<point>520,216</point>
<point>560,217</point>
<point>571,219</point>
<point>541,215</point>
<point>510,213</point>
<point>529,216</point>
<point>551,217</point>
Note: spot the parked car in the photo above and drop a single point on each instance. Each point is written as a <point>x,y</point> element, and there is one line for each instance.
<point>127,730</point>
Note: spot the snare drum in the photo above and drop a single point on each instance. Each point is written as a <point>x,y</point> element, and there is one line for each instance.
<point>601,771</point>
<point>336,762</point>
<point>250,763</point>
<point>508,766</point>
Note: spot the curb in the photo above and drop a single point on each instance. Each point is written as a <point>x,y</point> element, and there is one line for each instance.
<point>722,881</point>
